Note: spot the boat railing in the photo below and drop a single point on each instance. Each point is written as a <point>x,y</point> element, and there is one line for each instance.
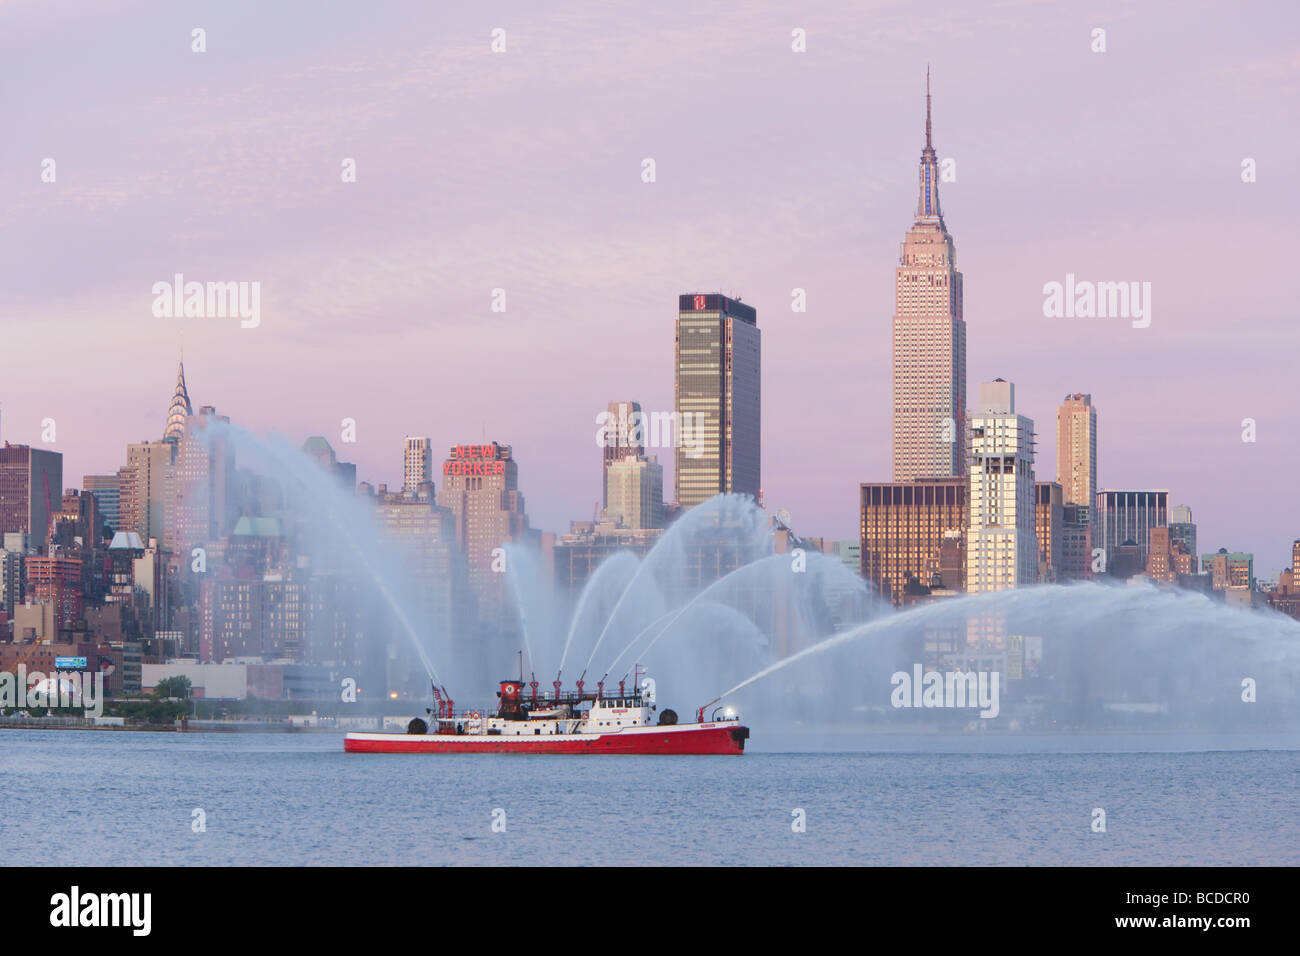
<point>571,701</point>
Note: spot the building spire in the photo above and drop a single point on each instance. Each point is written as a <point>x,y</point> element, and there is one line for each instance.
<point>927,205</point>
<point>180,407</point>
<point>928,143</point>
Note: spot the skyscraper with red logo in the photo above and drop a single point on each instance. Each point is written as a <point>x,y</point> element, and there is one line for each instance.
<point>718,442</point>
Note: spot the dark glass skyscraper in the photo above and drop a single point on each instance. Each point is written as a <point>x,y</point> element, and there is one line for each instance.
<point>717,388</point>
<point>31,491</point>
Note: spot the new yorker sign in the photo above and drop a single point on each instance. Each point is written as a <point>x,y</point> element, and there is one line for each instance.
<point>477,460</point>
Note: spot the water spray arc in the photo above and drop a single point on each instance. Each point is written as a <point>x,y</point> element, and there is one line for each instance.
<point>523,617</point>
<point>712,512</point>
<point>751,568</point>
<point>607,568</point>
<point>324,495</point>
<point>1192,650</point>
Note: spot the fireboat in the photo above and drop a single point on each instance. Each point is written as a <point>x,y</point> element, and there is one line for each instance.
<point>574,722</point>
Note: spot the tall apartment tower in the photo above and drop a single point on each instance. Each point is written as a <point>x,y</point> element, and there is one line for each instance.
<point>13,577</point>
<point>1001,542</point>
<point>717,399</point>
<point>624,433</point>
<point>107,490</point>
<point>141,482</point>
<point>634,490</point>
<point>1076,449</point>
<point>417,464</point>
<point>1182,528</point>
<point>929,342</point>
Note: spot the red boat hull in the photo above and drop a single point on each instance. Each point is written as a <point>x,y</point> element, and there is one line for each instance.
<point>717,738</point>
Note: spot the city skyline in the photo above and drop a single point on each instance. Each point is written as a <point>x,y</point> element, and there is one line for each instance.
<point>881,396</point>
<point>325,304</point>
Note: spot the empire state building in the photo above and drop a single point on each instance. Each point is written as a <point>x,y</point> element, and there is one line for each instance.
<point>929,339</point>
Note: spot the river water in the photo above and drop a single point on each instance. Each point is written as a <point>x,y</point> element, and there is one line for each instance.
<point>115,798</point>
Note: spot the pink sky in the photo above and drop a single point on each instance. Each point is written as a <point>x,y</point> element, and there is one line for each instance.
<point>775,170</point>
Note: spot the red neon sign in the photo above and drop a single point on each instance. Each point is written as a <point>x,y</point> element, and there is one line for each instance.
<point>474,467</point>
<point>477,451</point>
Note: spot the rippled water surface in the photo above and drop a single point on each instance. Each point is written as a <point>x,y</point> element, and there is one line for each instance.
<point>296,799</point>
